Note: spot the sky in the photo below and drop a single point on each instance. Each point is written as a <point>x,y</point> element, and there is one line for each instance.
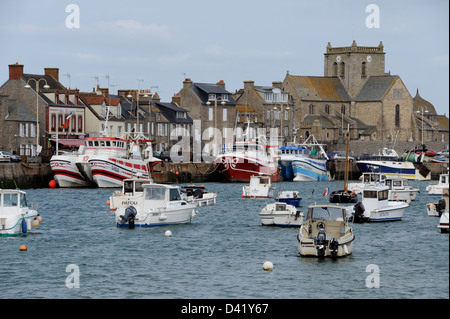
<point>155,45</point>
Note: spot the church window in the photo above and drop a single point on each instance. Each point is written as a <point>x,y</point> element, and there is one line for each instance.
<point>343,109</point>
<point>363,70</point>
<point>342,69</point>
<point>327,108</point>
<point>311,109</point>
<point>335,69</point>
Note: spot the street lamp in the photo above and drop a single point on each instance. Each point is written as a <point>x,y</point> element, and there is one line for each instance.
<point>215,120</point>
<point>426,111</point>
<point>46,86</point>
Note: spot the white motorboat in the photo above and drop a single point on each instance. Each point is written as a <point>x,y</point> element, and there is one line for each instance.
<point>198,195</point>
<point>437,189</point>
<point>281,214</point>
<point>259,187</point>
<point>376,206</point>
<point>326,232</point>
<point>16,218</point>
<point>400,190</point>
<point>442,206</point>
<point>161,205</point>
<point>130,195</point>
<point>290,197</point>
<point>443,223</point>
<point>367,179</point>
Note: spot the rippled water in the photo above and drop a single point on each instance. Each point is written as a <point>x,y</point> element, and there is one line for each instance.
<point>219,255</point>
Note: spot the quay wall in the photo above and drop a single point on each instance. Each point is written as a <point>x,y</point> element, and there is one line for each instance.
<point>25,175</point>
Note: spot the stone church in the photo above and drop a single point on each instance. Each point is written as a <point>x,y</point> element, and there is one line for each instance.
<point>357,94</point>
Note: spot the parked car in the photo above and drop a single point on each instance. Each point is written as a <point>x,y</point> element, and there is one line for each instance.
<point>164,156</point>
<point>364,156</point>
<point>340,156</point>
<point>430,153</point>
<point>13,157</point>
<point>4,156</point>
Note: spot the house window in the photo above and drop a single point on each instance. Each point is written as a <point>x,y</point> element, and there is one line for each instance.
<point>210,114</point>
<point>53,123</point>
<point>311,109</point>
<point>80,124</point>
<point>60,122</point>
<point>327,108</point>
<point>74,124</point>
<point>284,97</point>
<point>224,97</point>
<point>268,96</point>
<point>268,114</point>
<point>211,97</point>
<point>397,115</point>
<point>33,130</point>
<point>286,115</point>
<point>224,114</point>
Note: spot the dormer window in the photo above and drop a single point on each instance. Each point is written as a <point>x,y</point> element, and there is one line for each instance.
<point>225,97</point>
<point>211,97</point>
<point>181,115</point>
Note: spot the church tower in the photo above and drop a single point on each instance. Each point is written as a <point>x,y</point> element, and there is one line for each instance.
<point>354,64</point>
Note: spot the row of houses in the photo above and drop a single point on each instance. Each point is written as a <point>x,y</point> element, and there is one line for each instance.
<point>355,94</point>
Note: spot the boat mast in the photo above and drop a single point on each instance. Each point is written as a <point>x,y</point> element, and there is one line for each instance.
<point>346,167</point>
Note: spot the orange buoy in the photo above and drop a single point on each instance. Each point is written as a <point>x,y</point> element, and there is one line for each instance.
<point>52,184</point>
<point>23,248</point>
<point>108,202</point>
<point>176,173</point>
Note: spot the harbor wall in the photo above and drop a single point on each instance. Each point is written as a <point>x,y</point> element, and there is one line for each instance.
<point>25,175</point>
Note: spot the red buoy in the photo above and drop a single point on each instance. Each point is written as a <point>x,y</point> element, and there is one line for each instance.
<point>52,184</point>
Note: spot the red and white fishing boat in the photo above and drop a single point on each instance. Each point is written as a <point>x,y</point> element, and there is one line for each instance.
<point>246,159</point>
<point>65,171</point>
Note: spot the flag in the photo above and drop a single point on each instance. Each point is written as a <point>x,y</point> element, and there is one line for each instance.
<point>66,125</point>
<point>325,193</point>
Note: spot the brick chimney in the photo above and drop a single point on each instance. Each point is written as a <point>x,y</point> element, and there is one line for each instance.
<point>249,85</point>
<point>187,84</point>
<point>221,83</point>
<point>277,84</point>
<point>15,71</point>
<point>54,72</point>
<point>176,99</point>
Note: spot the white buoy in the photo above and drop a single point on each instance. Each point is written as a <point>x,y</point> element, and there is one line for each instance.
<point>168,233</point>
<point>268,266</point>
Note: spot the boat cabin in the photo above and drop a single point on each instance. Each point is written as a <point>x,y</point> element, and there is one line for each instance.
<point>375,197</point>
<point>373,178</point>
<point>332,218</point>
<point>134,185</point>
<point>396,183</point>
<point>294,151</point>
<point>160,195</point>
<point>11,200</point>
<point>260,181</point>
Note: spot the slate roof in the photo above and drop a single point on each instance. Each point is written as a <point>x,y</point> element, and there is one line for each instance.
<point>320,88</point>
<point>18,112</point>
<point>202,90</point>
<point>169,111</point>
<point>375,88</point>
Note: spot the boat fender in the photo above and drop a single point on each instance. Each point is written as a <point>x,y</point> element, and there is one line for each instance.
<point>129,217</point>
<point>24,226</point>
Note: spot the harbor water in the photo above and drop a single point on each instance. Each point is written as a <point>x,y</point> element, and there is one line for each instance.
<point>77,252</point>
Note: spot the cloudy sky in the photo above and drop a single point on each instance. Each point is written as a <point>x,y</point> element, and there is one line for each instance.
<point>157,44</point>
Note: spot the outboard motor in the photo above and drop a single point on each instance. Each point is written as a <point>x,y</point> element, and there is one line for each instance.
<point>334,245</point>
<point>320,245</point>
<point>358,215</point>
<point>440,206</point>
<point>129,217</point>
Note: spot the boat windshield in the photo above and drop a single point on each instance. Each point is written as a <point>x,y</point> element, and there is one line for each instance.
<point>23,200</point>
<point>155,193</point>
<point>325,213</point>
<point>382,195</point>
<point>174,194</point>
<point>10,200</point>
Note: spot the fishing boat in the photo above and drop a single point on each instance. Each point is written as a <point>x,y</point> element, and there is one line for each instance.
<point>326,232</point>
<point>198,195</point>
<point>260,186</point>
<point>288,154</point>
<point>65,171</point>
<point>161,205</point>
<point>376,206</point>
<point>131,193</point>
<point>314,166</point>
<point>107,161</point>
<point>246,159</point>
<point>344,195</point>
<point>410,167</point>
<point>443,223</point>
<point>437,189</point>
<point>442,206</point>
<point>16,218</point>
<point>289,197</point>
<point>281,214</point>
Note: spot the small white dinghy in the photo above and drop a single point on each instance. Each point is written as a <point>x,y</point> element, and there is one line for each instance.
<point>161,205</point>
<point>16,218</point>
<point>281,214</point>
<point>375,206</point>
<point>326,232</point>
<point>259,187</point>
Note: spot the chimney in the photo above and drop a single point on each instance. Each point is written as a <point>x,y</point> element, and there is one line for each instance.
<point>15,71</point>
<point>277,84</point>
<point>54,72</point>
<point>176,99</point>
<point>249,85</point>
<point>105,91</point>
<point>187,84</point>
<point>221,83</point>
<point>156,97</point>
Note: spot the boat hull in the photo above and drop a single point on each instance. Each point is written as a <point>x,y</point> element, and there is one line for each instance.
<point>393,213</point>
<point>393,169</point>
<point>281,218</point>
<point>443,223</point>
<point>110,172</point>
<point>238,169</point>
<point>66,173</point>
<point>308,247</point>
<point>307,169</point>
<point>17,224</point>
<point>159,217</point>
